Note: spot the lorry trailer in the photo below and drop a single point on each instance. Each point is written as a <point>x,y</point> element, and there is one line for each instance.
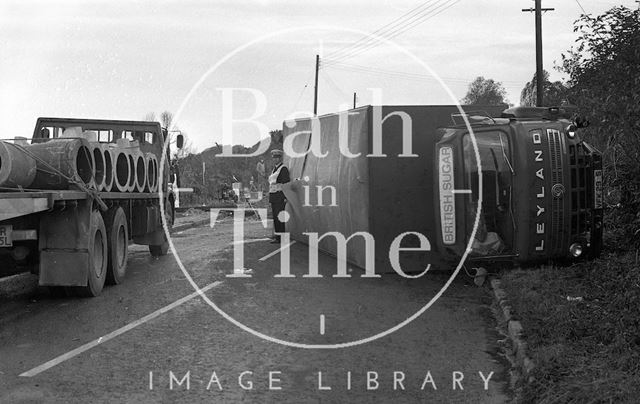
<point>74,196</point>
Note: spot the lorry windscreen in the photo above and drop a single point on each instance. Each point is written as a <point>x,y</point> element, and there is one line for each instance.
<point>496,228</point>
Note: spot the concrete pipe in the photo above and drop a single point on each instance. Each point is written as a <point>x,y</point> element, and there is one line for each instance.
<point>154,160</point>
<point>121,171</point>
<point>152,176</point>
<point>99,165</point>
<point>17,169</point>
<point>109,170</point>
<point>131,185</point>
<point>141,171</point>
<point>61,163</point>
<point>149,164</point>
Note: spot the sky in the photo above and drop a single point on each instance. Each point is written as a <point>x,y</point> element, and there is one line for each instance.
<point>254,60</point>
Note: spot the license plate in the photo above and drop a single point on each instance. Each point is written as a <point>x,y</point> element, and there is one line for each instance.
<point>597,189</point>
<point>5,236</point>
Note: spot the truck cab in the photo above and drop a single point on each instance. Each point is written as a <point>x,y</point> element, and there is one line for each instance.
<point>526,182</point>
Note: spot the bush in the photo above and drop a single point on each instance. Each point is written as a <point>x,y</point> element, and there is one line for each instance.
<point>604,81</point>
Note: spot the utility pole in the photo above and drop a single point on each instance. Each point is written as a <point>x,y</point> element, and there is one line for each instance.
<point>315,92</point>
<point>355,97</point>
<point>539,70</point>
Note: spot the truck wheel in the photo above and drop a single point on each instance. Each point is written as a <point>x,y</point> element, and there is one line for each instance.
<point>98,258</point>
<point>118,245</point>
<point>160,250</point>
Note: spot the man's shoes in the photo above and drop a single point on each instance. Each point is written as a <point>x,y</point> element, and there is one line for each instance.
<point>275,240</point>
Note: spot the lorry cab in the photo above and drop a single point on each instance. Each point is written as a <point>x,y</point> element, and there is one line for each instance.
<point>527,183</point>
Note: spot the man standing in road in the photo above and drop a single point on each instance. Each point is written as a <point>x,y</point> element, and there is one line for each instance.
<point>279,176</point>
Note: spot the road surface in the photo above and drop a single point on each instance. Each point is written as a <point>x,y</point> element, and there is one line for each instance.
<point>153,339</point>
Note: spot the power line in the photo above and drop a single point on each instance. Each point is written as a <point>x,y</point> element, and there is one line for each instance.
<point>383,72</point>
<point>405,75</point>
<point>393,32</point>
<point>581,8</point>
<point>374,42</point>
<point>380,31</point>
<point>306,84</point>
<point>587,15</point>
<point>334,85</point>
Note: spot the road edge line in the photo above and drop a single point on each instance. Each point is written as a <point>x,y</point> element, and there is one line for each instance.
<point>77,351</point>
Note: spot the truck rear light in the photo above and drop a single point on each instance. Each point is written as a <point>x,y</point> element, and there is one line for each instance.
<point>576,250</point>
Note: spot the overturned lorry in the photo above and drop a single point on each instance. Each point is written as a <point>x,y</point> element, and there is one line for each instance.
<point>403,186</point>
<point>74,196</point>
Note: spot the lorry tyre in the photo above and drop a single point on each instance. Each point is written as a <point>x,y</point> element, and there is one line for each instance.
<point>117,244</point>
<point>161,249</point>
<point>98,258</point>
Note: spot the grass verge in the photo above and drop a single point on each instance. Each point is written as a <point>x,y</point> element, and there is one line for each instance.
<point>582,326</point>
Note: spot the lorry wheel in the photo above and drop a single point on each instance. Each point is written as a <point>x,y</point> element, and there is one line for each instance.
<point>118,245</point>
<point>161,249</point>
<point>98,258</point>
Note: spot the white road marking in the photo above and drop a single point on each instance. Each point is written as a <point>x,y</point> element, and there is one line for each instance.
<point>255,240</point>
<point>266,257</point>
<point>56,361</point>
<point>321,324</point>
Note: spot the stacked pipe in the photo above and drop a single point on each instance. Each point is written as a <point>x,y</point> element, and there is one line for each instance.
<point>63,164</point>
<point>16,168</point>
<point>78,161</point>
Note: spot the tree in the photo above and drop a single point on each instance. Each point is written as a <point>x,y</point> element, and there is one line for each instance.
<point>166,118</point>
<point>485,92</point>
<point>276,137</point>
<point>555,93</point>
<point>604,79</point>
<point>604,82</point>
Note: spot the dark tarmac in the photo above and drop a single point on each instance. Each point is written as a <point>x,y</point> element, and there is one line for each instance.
<point>191,353</point>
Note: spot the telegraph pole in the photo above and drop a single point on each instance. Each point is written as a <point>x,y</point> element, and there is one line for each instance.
<point>539,69</point>
<point>315,91</point>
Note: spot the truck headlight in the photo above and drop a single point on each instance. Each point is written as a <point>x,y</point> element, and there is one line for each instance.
<point>576,250</point>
